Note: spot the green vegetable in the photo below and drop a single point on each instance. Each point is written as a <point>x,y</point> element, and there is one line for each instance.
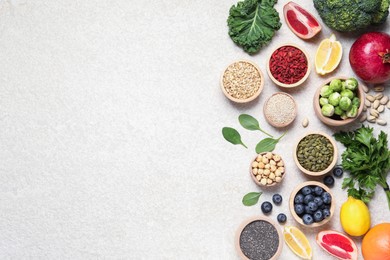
<point>347,93</point>
<point>251,198</point>
<point>334,98</point>
<point>327,110</point>
<point>352,15</point>
<point>344,115</point>
<point>252,23</point>
<point>351,84</point>
<point>231,135</point>
<point>345,103</point>
<point>268,144</point>
<point>338,111</point>
<point>324,101</point>
<point>352,112</point>
<point>336,85</point>
<point>326,91</point>
<point>251,123</point>
<point>367,159</point>
<point>356,102</point>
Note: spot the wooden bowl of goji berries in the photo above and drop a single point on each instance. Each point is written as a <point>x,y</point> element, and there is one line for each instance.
<point>288,66</point>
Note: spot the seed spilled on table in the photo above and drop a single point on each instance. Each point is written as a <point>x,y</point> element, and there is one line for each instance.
<point>259,240</point>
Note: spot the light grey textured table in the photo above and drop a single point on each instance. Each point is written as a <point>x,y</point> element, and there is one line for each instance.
<point>110,142</point>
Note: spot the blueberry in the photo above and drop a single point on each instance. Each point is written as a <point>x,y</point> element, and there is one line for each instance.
<point>318,201</point>
<point>338,172</point>
<point>328,181</point>
<point>299,209</point>
<point>307,219</point>
<point>308,210</point>
<point>306,190</point>
<point>266,207</point>
<point>277,199</point>
<point>318,190</point>
<point>326,198</point>
<point>312,206</point>
<point>299,198</point>
<point>308,198</point>
<point>318,216</point>
<point>282,218</point>
<point>326,213</point>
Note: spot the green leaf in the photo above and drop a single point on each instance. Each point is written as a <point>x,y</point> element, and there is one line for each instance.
<point>249,122</point>
<point>232,135</point>
<point>251,198</point>
<point>266,145</point>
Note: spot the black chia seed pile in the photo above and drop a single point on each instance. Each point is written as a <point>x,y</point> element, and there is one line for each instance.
<point>259,240</point>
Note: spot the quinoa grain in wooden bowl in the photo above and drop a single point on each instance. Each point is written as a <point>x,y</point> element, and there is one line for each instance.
<point>280,109</point>
<point>242,81</point>
<point>267,169</point>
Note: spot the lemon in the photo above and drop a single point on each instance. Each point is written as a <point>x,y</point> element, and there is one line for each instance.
<point>328,55</point>
<point>297,242</point>
<point>355,217</point>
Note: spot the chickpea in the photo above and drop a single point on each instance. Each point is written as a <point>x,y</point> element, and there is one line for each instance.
<point>263,181</point>
<point>273,168</point>
<point>254,171</point>
<point>272,176</point>
<point>280,164</point>
<point>272,162</point>
<point>265,160</point>
<point>254,164</point>
<point>269,181</point>
<point>258,177</point>
<point>268,155</point>
<point>278,179</point>
<point>261,165</point>
<point>266,172</point>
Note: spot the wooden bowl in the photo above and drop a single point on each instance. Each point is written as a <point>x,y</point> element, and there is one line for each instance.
<point>298,83</point>
<point>335,122</point>
<point>254,96</point>
<point>254,177</point>
<point>269,119</point>
<point>331,165</point>
<point>253,219</point>
<point>294,193</point>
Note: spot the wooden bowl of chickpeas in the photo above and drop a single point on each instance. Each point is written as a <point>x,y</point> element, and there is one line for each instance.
<point>267,169</point>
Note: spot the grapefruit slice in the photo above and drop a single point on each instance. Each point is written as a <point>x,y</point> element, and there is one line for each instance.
<point>300,21</point>
<point>337,244</point>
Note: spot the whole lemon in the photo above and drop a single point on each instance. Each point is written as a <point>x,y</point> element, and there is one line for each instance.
<point>355,217</point>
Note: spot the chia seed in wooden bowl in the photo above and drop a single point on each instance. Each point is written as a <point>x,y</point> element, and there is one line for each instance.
<point>259,238</point>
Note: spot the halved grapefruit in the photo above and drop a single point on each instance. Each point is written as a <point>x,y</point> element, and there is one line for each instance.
<point>300,21</point>
<point>337,244</point>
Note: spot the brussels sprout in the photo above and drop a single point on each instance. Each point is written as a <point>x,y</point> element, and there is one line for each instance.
<point>336,85</point>
<point>327,110</point>
<point>338,111</point>
<point>324,101</point>
<point>344,116</point>
<point>356,101</point>
<point>345,103</point>
<point>334,98</point>
<point>352,112</point>
<point>347,93</point>
<point>351,84</point>
<point>326,91</point>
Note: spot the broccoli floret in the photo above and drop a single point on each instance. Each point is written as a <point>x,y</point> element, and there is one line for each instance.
<point>352,15</point>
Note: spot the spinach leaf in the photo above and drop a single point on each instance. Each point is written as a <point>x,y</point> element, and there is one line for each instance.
<point>251,198</point>
<point>251,123</point>
<point>232,135</point>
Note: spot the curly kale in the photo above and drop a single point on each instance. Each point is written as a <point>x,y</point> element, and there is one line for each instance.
<point>252,23</point>
<point>352,15</point>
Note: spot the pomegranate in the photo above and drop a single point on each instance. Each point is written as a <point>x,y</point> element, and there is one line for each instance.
<point>370,57</point>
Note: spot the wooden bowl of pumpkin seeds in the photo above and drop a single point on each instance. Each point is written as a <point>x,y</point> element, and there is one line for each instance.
<point>267,169</point>
<point>315,154</point>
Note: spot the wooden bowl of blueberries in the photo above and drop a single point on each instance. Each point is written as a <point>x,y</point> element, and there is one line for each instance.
<point>312,204</point>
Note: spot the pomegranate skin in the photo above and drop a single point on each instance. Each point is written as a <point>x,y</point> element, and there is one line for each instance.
<point>365,59</point>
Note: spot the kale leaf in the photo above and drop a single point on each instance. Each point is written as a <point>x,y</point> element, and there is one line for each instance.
<point>252,23</point>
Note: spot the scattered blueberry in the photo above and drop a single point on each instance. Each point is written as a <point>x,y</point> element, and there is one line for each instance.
<point>326,213</point>
<point>308,198</point>
<point>328,181</point>
<point>307,219</point>
<point>306,190</point>
<point>318,216</point>
<point>282,218</point>
<point>338,172</point>
<point>312,206</point>
<point>299,198</point>
<point>318,190</point>
<point>318,201</point>
<point>299,209</point>
<point>277,199</point>
<point>308,210</point>
<point>266,207</point>
<point>326,198</point>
